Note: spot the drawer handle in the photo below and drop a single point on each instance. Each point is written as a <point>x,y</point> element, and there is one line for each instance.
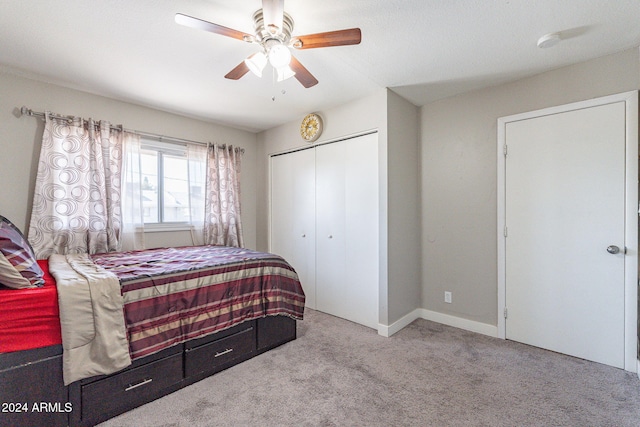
<point>140,384</point>
<point>222,353</point>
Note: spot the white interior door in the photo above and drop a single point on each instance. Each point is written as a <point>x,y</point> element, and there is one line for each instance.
<point>331,255</point>
<point>564,206</point>
<point>347,229</point>
<point>293,220</point>
<point>362,225</point>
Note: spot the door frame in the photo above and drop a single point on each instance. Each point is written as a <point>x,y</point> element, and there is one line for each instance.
<point>630,99</point>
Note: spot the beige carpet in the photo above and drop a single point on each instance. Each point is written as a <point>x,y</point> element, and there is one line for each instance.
<point>338,373</point>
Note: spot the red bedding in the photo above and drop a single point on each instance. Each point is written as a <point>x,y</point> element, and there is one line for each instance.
<point>29,318</point>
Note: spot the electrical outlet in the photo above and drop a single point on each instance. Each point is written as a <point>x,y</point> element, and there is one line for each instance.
<point>447,297</point>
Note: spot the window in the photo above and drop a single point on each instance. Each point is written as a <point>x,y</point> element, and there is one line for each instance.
<point>172,184</point>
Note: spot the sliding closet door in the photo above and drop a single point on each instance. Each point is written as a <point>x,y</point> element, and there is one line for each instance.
<point>347,229</point>
<point>293,215</point>
<point>362,225</point>
<point>331,247</point>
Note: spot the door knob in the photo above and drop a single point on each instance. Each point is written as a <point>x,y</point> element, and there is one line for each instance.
<point>613,249</point>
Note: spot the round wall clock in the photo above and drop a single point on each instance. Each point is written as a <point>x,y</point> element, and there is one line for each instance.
<point>311,127</point>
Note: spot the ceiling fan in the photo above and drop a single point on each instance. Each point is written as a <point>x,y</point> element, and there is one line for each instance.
<point>273,28</point>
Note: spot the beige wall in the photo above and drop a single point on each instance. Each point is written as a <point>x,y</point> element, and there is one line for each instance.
<point>404,207</point>
<point>20,140</point>
<point>459,176</point>
<point>438,172</point>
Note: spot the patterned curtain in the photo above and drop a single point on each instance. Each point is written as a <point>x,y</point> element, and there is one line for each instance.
<point>222,225</point>
<point>77,199</point>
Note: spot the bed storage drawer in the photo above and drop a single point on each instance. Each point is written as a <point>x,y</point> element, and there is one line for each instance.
<point>221,353</point>
<point>274,331</point>
<point>117,393</point>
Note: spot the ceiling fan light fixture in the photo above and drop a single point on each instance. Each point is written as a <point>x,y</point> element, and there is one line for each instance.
<point>285,73</point>
<point>273,28</point>
<point>256,63</point>
<point>279,56</point>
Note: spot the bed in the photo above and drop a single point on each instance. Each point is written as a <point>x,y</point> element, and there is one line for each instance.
<point>188,313</point>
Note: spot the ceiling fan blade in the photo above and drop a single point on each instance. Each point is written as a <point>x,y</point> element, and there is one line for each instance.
<point>190,21</point>
<point>237,72</point>
<point>272,13</point>
<point>302,74</point>
<point>331,38</point>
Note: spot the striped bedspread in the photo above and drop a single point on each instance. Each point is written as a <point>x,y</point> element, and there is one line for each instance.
<point>174,294</point>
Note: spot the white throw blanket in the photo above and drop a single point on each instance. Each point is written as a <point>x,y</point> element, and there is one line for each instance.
<point>94,337</point>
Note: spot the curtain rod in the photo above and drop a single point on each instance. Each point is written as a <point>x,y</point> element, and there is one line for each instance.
<point>24,111</point>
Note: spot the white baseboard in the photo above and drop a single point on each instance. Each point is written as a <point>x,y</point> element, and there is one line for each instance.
<point>459,322</point>
<point>445,319</point>
<point>387,331</point>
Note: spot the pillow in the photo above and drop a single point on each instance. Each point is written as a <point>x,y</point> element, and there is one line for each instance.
<point>17,258</point>
<point>10,277</point>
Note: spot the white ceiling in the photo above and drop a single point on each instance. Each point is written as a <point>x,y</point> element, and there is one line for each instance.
<point>423,49</point>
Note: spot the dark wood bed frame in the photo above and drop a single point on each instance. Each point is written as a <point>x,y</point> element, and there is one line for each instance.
<point>32,392</point>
